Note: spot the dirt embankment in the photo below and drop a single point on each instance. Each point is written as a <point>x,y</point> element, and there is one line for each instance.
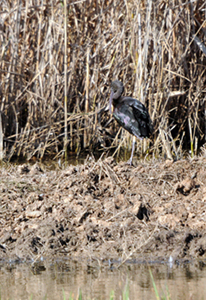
<point>105,210</point>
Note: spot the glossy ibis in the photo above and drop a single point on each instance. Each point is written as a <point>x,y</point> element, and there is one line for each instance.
<point>130,113</point>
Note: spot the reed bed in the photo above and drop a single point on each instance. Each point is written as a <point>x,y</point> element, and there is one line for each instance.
<point>57,63</point>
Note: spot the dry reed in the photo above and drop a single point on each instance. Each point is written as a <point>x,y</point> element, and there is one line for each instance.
<point>156,48</point>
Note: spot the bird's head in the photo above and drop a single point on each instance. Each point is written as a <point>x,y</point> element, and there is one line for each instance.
<point>117,88</point>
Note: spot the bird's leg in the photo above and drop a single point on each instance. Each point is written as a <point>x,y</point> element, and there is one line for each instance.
<point>132,153</point>
<point>110,102</point>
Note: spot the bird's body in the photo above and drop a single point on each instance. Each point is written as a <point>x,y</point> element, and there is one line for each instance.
<point>130,113</point>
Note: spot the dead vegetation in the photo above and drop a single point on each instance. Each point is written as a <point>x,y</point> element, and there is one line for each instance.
<point>104,210</point>
<point>156,48</point>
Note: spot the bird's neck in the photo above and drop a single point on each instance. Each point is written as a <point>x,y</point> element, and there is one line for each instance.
<point>118,94</point>
<point>117,101</point>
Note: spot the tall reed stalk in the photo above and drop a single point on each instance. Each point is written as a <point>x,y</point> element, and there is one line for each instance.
<point>65,78</point>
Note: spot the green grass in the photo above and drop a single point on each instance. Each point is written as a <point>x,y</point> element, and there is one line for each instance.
<point>125,295</point>
<point>111,297</point>
<point>164,297</point>
<point>126,292</point>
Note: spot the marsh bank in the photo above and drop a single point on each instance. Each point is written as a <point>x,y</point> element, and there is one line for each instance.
<point>105,210</point>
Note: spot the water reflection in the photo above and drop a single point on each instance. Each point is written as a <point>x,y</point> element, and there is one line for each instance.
<point>48,281</point>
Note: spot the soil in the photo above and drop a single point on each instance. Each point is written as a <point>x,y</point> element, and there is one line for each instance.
<point>105,210</point>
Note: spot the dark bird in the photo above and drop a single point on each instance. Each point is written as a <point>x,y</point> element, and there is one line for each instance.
<point>130,113</point>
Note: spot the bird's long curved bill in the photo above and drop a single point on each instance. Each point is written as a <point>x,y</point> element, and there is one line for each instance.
<point>110,102</point>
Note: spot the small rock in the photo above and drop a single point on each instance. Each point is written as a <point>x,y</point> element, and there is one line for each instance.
<point>33,214</point>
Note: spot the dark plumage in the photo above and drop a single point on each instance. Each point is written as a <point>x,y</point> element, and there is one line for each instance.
<point>130,113</point>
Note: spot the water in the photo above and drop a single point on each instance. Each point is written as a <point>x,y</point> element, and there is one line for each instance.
<point>52,280</point>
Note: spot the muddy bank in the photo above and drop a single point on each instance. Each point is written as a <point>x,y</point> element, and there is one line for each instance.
<point>105,210</point>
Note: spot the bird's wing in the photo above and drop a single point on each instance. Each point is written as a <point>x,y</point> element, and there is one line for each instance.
<point>141,115</point>
<point>139,110</point>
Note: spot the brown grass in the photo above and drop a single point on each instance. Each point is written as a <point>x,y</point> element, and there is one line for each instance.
<point>156,48</point>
